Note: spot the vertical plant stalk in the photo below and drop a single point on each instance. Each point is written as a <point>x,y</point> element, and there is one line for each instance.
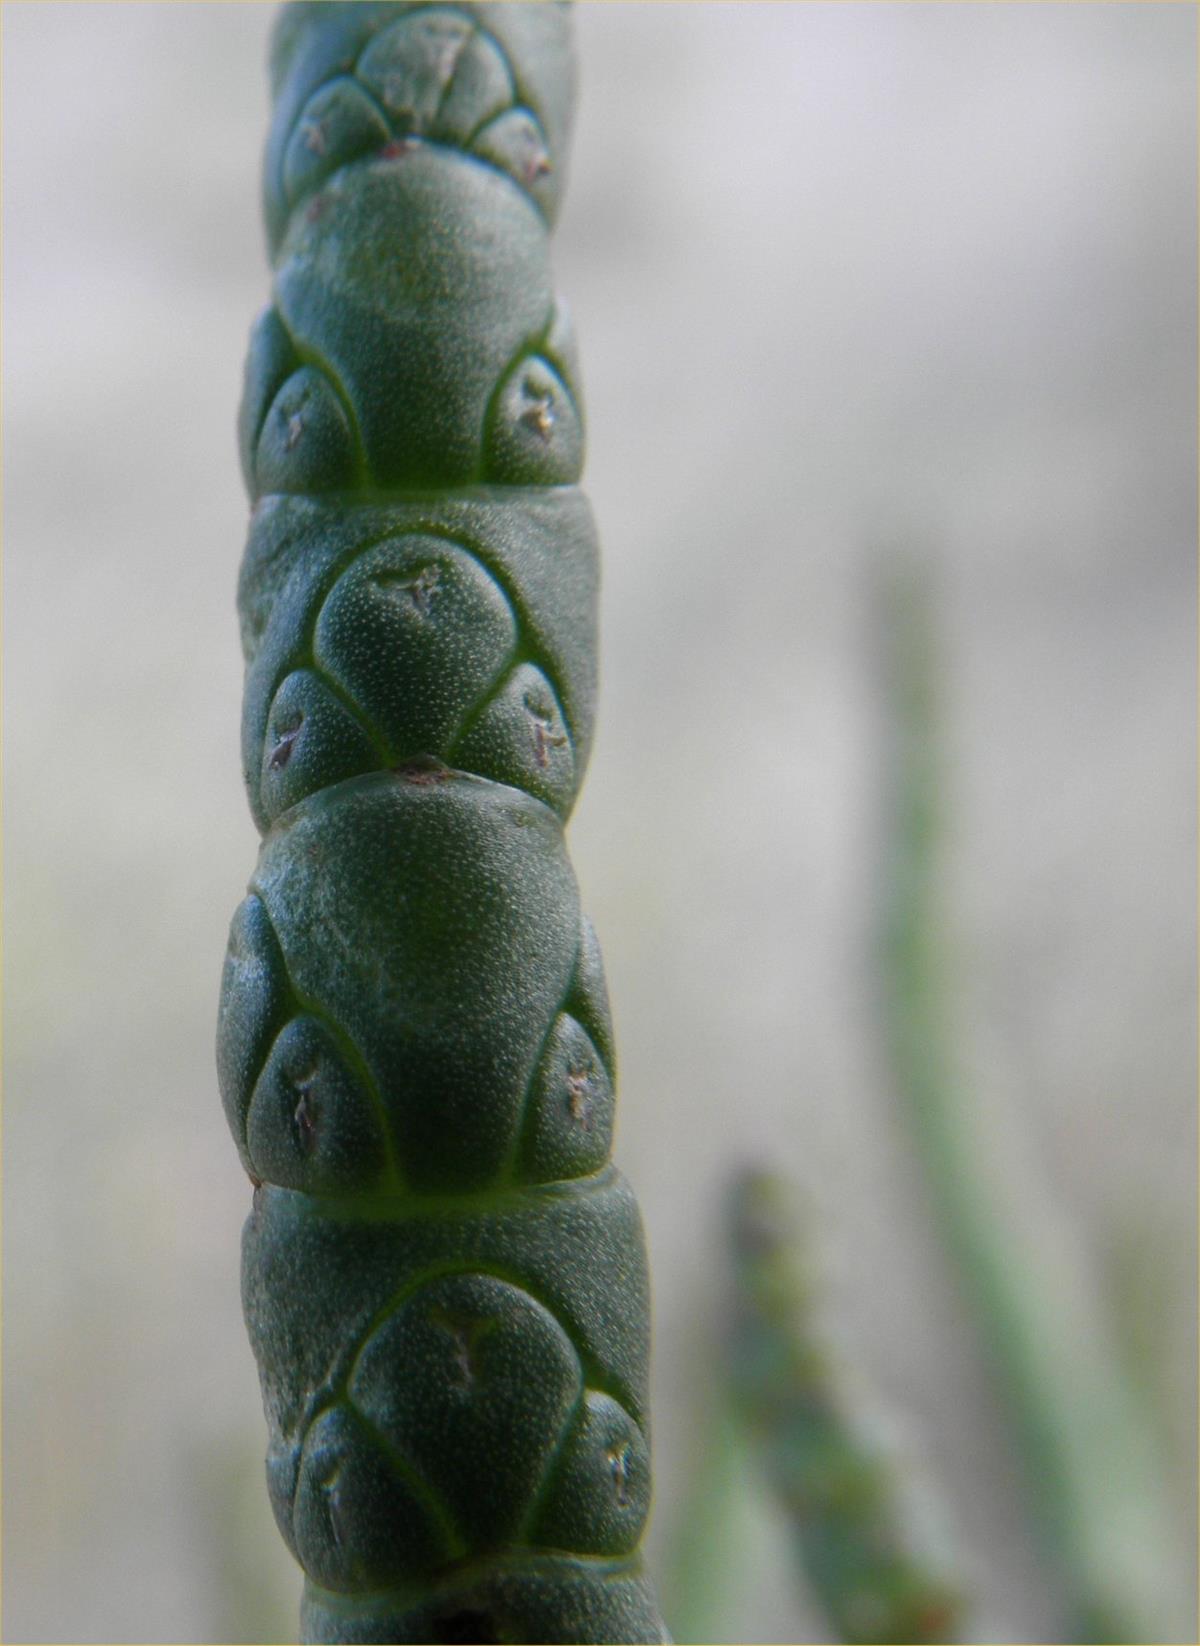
<point>717,1546</point>
<point>1094,1474</point>
<point>851,1517</point>
<point>443,1273</point>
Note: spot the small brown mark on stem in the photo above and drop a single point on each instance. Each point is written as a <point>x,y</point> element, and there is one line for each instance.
<point>317,207</point>
<point>935,1618</point>
<point>618,1463</point>
<point>285,737</point>
<point>544,738</point>
<point>329,1490</point>
<point>537,165</point>
<point>579,1097</point>
<point>397,148</point>
<point>313,133</point>
<point>465,1334</point>
<point>539,414</point>
<point>305,1112</point>
<point>420,589</point>
<point>423,770</point>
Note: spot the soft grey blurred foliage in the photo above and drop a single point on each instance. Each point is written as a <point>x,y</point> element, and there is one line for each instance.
<point>848,278</point>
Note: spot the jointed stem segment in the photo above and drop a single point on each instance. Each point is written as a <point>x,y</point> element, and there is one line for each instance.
<point>444,1278</point>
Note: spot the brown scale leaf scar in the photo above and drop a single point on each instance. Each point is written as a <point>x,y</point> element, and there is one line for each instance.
<point>539,415</point>
<point>544,739</point>
<point>618,1463</point>
<point>420,589</point>
<point>285,737</point>
<point>465,1334</point>
<point>538,165</point>
<point>329,1490</point>
<point>305,1112</point>
<point>424,771</point>
<point>579,1097</point>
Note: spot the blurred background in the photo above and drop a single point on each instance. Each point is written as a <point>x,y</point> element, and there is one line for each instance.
<point>857,286</point>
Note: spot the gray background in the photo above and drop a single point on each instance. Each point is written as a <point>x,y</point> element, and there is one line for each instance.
<point>846,278</point>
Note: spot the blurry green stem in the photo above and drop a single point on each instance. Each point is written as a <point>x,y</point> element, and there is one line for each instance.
<point>1089,1448</point>
<point>706,1575</point>
<point>848,1503</point>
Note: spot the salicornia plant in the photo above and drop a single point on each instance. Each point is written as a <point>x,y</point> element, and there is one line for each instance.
<point>855,1520</point>
<point>1094,1470</point>
<point>443,1275</point>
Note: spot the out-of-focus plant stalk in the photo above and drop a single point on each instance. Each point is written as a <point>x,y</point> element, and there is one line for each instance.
<point>1092,1464</point>
<point>711,1561</point>
<point>845,1498</point>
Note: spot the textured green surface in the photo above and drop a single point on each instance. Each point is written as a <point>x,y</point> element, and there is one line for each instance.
<point>443,1274</point>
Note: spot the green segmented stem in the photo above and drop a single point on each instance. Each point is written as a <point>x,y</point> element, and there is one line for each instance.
<point>443,1274</point>
<point>1095,1475</point>
<point>854,1518</point>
